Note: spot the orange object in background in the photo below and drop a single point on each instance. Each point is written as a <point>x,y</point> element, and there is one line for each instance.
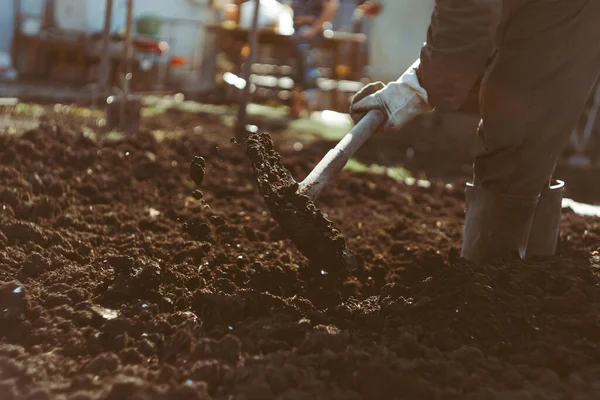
<point>343,71</point>
<point>178,61</point>
<point>231,12</point>
<point>370,9</point>
<point>245,51</point>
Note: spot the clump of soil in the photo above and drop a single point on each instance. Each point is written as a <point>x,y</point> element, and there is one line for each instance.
<point>197,173</point>
<point>119,284</point>
<point>197,170</point>
<point>314,235</point>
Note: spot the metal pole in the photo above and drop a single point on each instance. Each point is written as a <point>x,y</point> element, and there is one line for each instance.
<point>128,48</point>
<point>16,30</point>
<point>126,67</point>
<point>105,63</point>
<point>241,118</point>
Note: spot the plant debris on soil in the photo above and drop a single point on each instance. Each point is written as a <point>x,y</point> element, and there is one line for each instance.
<point>117,283</point>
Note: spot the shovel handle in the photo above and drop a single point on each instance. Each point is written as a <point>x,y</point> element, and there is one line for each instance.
<point>367,126</point>
<point>335,160</point>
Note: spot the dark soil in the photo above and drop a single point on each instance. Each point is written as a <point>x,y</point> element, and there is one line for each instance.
<point>117,283</point>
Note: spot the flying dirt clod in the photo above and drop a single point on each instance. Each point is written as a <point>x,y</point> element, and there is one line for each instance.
<point>197,170</point>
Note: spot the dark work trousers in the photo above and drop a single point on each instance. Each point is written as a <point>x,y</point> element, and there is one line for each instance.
<point>534,91</point>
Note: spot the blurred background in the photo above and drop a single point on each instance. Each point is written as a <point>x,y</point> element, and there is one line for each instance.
<point>105,53</point>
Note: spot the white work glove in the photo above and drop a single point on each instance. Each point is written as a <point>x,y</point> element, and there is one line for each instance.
<point>401,101</point>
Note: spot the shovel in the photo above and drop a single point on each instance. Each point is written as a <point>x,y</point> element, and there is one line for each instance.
<point>292,204</point>
<point>337,158</point>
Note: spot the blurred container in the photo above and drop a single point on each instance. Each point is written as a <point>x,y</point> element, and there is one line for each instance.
<point>149,25</point>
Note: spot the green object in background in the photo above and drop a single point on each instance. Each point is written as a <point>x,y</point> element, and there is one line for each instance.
<point>149,25</point>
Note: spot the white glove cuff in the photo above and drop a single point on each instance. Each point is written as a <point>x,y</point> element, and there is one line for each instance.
<point>409,78</point>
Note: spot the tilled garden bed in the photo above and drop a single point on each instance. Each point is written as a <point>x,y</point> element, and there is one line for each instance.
<point>116,283</point>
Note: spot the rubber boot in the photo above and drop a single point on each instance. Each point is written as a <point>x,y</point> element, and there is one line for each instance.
<point>543,237</point>
<point>496,225</point>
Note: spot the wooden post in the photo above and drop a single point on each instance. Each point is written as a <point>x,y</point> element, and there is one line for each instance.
<point>16,31</point>
<point>105,62</point>
<point>128,48</point>
<point>241,118</point>
<point>357,25</point>
<point>126,68</point>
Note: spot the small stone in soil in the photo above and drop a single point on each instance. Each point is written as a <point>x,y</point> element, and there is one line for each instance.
<point>197,194</point>
<point>13,300</point>
<point>104,312</point>
<point>197,170</point>
<point>197,229</point>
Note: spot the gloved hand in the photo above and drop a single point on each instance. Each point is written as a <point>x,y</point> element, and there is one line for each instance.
<point>401,101</point>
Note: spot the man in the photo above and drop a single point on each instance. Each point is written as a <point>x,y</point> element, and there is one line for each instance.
<point>309,17</point>
<point>539,60</point>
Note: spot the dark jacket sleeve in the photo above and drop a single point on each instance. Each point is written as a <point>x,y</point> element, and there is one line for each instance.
<point>460,40</point>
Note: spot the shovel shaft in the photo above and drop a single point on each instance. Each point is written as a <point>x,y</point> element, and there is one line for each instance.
<point>361,132</point>
<point>335,160</point>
